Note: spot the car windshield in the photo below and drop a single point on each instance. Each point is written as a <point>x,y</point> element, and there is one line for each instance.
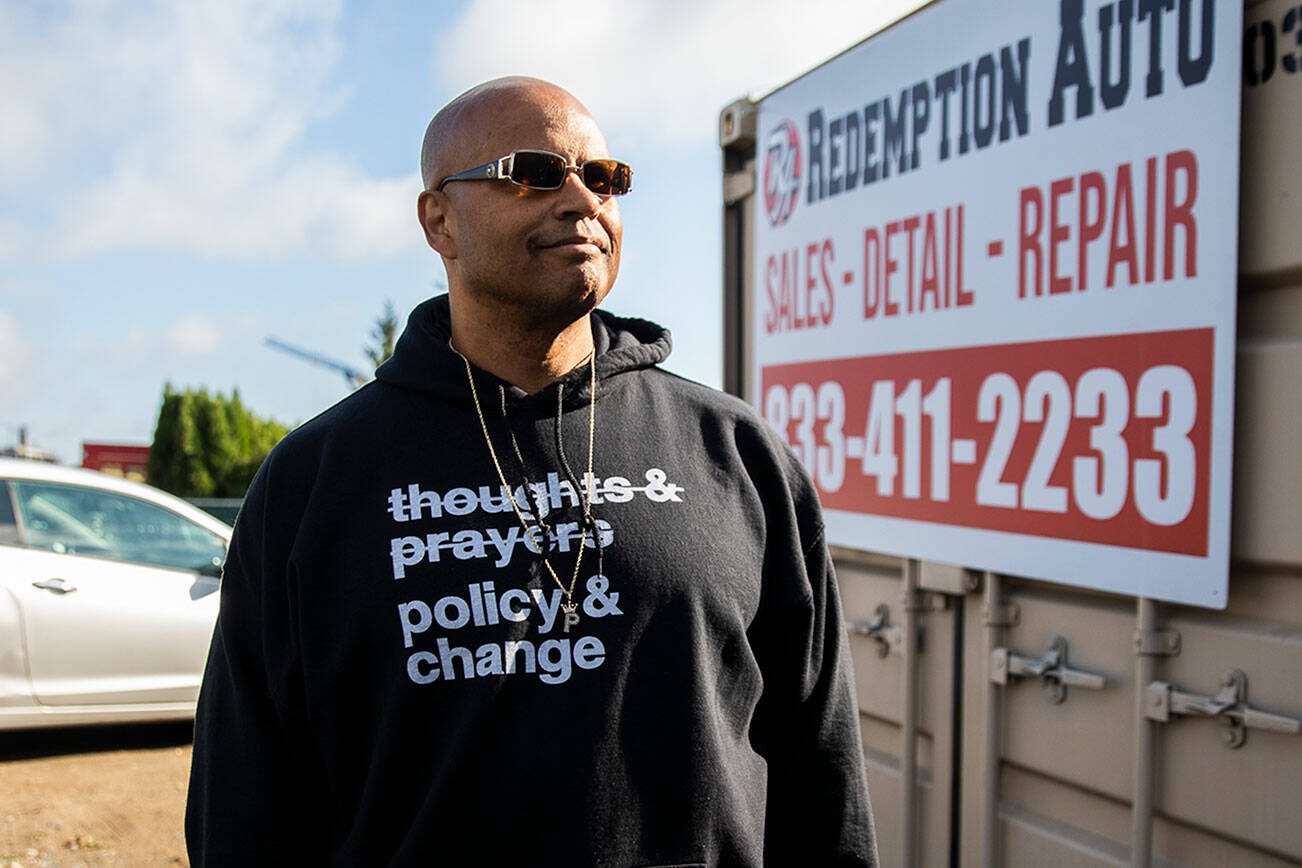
<point>72,519</point>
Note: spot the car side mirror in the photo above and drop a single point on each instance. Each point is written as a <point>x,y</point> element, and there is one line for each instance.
<point>212,570</point>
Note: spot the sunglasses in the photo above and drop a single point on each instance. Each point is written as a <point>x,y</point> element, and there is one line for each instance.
<point>543,170</point>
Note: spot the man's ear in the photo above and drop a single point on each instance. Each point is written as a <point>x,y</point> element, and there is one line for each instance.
<point>431,210</point>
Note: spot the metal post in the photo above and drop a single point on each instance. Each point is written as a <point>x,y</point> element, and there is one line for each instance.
<point>909,725</point>
<point>1141,843</point>
<point>990,758</point>
<point>737,144</point>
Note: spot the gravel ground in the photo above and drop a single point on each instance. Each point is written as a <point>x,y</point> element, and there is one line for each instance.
<point>94,796</point>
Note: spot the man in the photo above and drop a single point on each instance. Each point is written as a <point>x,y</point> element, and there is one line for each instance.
<point>473,615</point>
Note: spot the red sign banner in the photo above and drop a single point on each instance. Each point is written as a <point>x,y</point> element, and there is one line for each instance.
<point>1101,439</point>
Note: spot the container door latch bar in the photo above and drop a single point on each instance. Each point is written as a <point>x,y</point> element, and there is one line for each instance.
<point>1230,704</point>
<point>880,630</point>
<point>1051,669</point>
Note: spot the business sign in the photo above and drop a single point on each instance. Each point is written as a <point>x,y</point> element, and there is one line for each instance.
<point>994,297</point>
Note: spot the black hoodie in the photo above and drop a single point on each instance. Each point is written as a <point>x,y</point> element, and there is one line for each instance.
<point>392,680</point>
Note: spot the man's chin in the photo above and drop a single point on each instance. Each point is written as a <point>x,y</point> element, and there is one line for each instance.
<point>558,306</point>
<point>579,301</point>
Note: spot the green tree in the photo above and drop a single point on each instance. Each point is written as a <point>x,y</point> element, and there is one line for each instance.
<point>384,334</point>
<point>216,440</point>
<point>176,455</point>
<point>195,475</point>
<point>208,445</point>
<point>164,451</point>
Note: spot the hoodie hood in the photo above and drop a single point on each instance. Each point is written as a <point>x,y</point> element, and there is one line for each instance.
<point>424,362</point>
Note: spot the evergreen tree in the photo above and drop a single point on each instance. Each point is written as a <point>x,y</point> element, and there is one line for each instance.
<point>207,445</point>
<point>220,449</point>
<point>240,423</point>
<point>194,475</point>
<point>163,454</point>
<point>384,334</point>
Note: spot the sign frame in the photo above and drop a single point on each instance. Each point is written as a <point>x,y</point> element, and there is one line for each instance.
<point>967,184</point>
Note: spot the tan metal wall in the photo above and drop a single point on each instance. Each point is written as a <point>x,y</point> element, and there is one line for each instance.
<point>1024,773</point>
<point>879,645</point>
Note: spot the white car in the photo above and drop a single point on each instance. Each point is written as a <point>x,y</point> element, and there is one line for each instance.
<point>108,596</point>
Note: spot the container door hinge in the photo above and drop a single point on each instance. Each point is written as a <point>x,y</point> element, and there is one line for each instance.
<point>923,601</point>
<point>889,637</point>
<point>1230,704</point>
<point>1157,643</point>
<point>737,124</point>
<point>1002,615</point>
<point>1051,669</point>
<point>739,185</point>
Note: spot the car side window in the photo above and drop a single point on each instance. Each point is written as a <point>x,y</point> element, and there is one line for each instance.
<point>8,525</point>
<point>86,521</point>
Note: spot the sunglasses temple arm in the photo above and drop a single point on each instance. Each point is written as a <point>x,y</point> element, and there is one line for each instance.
<point>500,168</point>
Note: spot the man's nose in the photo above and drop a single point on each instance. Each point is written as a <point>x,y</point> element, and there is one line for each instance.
<point>574,197</point>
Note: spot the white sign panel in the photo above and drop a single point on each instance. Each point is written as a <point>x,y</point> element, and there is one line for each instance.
<point>995,288</point>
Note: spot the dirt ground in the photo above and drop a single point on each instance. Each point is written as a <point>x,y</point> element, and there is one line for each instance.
<point>94,796</point>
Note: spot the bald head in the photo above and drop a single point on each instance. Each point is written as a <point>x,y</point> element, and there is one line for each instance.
<point>538,258</point>
<point>458,135</point>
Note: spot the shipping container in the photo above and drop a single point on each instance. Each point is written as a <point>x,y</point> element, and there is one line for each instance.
<point>1022,285</point>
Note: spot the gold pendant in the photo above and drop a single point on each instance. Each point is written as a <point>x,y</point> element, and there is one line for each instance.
<point>571,614</point>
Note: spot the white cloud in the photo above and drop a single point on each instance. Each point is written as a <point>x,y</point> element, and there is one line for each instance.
<point>193,336</point>
<point>181,125</point>
<point>14,237</point>
<point>16,356</point>
<point>657,71</point>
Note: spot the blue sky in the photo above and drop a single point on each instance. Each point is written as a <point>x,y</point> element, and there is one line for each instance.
<point>180,180</point>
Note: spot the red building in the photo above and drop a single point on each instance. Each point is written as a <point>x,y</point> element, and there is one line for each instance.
<point>131,462</point>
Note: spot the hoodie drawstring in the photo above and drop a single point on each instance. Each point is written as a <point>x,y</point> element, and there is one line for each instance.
<point>587,521</point>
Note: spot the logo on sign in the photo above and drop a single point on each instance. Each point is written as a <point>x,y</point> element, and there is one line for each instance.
<point>782,172</point>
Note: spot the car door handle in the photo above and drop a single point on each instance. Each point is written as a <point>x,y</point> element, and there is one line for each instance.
<point>59,586</point>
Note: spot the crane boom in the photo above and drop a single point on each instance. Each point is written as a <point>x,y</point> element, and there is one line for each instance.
<point>354,377</point>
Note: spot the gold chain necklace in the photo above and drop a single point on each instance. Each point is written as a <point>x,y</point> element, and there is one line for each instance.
<point>569,606</point>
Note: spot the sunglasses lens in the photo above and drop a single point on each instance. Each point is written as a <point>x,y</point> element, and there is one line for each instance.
<point>608,177</point>
<point>539,171</point>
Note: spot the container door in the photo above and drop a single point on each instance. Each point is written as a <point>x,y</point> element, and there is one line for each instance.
<point>873,596</point>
